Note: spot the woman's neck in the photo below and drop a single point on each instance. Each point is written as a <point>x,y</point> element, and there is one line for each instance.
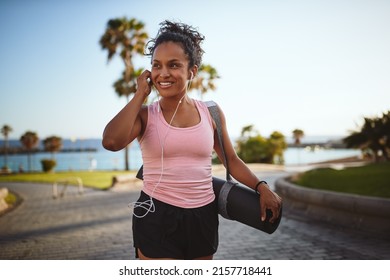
<point>171,103</point>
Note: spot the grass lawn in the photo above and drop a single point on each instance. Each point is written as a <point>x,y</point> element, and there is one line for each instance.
<point>369,180</point>
<point>96,179</point>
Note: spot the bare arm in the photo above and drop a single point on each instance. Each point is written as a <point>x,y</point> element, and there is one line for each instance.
<point>239,170</point>
<point>128,124</point>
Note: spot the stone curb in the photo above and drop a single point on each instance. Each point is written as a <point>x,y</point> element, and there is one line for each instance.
<point>353,211</point>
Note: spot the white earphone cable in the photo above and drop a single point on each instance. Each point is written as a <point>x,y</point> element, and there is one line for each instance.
<point>148,205</point>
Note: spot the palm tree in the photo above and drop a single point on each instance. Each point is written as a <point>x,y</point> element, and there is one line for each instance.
<point>298,134</point>
<point>372,137</point>
<point>385,132</point>
<point>6,130</point>
<point>248,131</point>
<point>29,141</point>
<point>127,38</point>
<point>204,80</point>
<point>123,88</point>
<point>52,144</point>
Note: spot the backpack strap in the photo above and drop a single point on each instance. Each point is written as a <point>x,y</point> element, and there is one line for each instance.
<point>227,186</point>
<point>214,112</point>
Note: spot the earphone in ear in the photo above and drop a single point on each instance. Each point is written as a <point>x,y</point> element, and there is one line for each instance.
<point>192,75</point>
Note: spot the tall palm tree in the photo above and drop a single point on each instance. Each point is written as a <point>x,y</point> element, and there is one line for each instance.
<point>127,38</point>
<point>123,88</point>
<point>29,140</point>
<point>298,134</point>
<point>205,79</point>
<point>52,144</point>
<point>6,130</point>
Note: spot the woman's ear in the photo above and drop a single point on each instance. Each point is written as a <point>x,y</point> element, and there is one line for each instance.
<point>193,72</point>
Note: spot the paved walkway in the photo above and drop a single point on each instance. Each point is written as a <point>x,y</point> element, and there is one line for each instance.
<point>97,225</point>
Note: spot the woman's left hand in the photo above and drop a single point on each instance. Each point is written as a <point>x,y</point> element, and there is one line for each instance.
<point>269,200</point>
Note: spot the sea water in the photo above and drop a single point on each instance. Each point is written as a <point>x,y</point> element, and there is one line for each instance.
<point>101,159</point>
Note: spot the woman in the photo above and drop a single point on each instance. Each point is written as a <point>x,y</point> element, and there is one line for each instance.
<point>176,216</point>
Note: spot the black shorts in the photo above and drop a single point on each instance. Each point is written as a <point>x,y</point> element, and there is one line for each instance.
<point>174,232</point>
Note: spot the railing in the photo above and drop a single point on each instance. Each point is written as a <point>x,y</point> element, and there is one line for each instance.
<point>65,182</point>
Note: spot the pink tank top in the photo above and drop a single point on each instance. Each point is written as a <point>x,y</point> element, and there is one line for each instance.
<point>182,176</point>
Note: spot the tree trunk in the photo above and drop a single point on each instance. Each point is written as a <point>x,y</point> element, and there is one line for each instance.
<point>29,161</point>
<point>384,153</point>
<point>127,168</point>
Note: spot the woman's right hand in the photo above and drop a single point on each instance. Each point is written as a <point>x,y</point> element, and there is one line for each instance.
<point>144,83</point>
<point>127,124</point>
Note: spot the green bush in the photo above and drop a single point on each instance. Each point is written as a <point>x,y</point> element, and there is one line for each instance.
<point>5,170</point>
<point>48,165</point>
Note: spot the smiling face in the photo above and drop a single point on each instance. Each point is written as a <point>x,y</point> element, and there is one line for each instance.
<point>170,69</point>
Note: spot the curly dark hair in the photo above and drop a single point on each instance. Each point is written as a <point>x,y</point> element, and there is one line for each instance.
<point>186,35</point>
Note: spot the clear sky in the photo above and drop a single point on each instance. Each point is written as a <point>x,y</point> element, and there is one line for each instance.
<point>315,65</point>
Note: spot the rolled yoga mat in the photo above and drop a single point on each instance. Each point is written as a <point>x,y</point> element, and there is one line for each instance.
<point>239,203</point>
